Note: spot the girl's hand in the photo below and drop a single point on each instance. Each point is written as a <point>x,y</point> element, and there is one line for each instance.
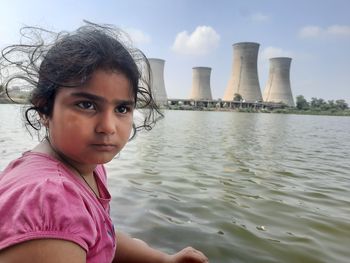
<point>131,250</point>
<point>188,255</point>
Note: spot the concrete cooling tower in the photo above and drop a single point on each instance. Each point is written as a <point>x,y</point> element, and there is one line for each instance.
<point>157,80</point>
<point>201,84</point>
<point>278,84</point>
<point>244,75</point>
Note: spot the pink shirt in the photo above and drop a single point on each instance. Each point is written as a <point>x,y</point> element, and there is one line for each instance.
<point>41,198</point>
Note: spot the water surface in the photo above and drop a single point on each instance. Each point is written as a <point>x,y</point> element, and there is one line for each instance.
<point>241,187</point>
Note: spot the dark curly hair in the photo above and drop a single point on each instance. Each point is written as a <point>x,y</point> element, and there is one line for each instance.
<point>46,61</point>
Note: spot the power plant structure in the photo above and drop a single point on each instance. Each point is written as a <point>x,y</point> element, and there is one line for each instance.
<point>243,81</point>
<point>157,81</point>
<point>201,84</point>
<point>244,78</point>
<point>278,84</point>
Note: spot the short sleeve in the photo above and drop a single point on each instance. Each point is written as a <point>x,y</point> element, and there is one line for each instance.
<point>53,208</point>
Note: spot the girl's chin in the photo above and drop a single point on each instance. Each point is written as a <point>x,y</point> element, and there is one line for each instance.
<point>105,159</point>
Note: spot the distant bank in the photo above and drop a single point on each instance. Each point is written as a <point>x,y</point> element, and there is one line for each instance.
<point>235,106</point>
<point>265,110</point>
<point>315,107</point>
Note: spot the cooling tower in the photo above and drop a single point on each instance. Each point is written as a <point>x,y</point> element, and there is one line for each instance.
<point>157,80</point>
<point>201,84</point>
<point>244,75</point>
<point>278,84</point>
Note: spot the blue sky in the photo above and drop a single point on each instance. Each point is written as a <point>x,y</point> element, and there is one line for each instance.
<point>192,33</point>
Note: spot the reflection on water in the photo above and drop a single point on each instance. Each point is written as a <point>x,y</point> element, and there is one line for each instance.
<point>241,187</point>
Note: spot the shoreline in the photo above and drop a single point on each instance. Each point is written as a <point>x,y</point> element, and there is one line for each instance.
<point>344,113</point>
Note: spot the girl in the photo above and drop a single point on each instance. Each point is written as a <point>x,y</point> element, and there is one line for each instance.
<point>54,204</point>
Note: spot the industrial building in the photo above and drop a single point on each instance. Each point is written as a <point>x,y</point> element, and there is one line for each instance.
<point>201,84</point>
<point>244,78</point>
<point>278,87</point>
<point>157,80</point>
<point>243,81</point>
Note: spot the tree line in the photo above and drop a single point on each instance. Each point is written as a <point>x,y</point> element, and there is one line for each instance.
<point>318,104</point>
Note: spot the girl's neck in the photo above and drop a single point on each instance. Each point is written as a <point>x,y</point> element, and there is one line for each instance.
<point>46,147</point>
<point>86,175</point>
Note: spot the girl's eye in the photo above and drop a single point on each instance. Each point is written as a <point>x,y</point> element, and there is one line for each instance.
<point>122,109</point>
<point>86,105</point>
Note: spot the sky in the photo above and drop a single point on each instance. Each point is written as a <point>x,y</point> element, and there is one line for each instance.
<point>200,33</point>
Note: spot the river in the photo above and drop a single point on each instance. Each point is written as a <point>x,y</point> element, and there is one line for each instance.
<point>241,187</point>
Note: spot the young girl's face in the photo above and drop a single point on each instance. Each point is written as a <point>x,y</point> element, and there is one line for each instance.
<point>91,124</point>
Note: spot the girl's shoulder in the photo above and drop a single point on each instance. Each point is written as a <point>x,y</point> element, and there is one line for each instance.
<point>34,175</point>
<point>30,163</point>
<point>41,178</point>
<point>37,167</point>
<point>44,202</point>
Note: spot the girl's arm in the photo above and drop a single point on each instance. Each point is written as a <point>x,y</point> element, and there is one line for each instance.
<point>43,251</point>
<point>130,250</point>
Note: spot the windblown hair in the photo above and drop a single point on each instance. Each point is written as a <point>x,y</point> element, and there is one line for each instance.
<point>46,61</point>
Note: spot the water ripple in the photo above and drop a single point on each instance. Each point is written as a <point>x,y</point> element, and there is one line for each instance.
<point>241,187</point>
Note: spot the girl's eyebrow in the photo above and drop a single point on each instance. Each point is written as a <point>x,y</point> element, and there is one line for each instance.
<point>100,99</point>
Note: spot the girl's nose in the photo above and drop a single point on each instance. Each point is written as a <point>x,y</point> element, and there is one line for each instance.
<point>107,123</point>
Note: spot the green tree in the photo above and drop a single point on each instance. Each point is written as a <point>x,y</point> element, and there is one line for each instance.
<point>301,103</point>
<point>341,104</point>
<point>317,103</point>
<point>331,104</point>
<point>325,106</point>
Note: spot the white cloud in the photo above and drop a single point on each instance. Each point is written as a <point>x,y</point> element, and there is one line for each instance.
<point>259,17</point>
<point>201,42</point>
<point>310,31</point>
<point>138,37</point>
<point>316,31</point>
<point>338,30</point>
<point>271,52</point>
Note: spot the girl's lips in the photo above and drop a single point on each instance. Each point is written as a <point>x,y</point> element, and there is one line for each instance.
<point>105,147</point>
